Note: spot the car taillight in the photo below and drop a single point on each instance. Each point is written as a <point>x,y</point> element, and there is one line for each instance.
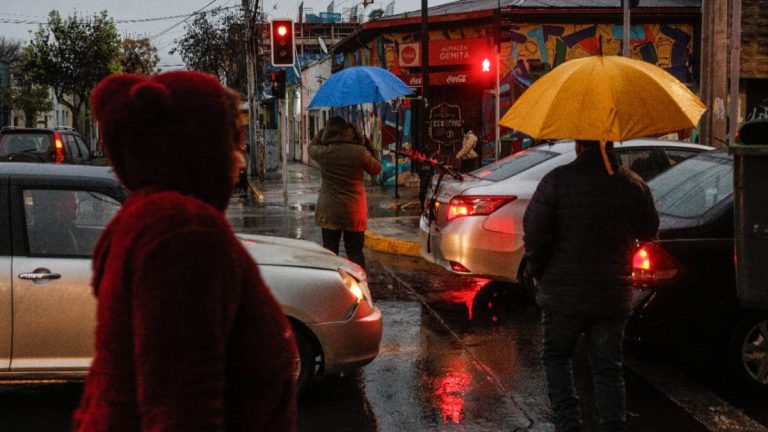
<point>652,266</point>
<point>459,267</point>
<point>474,205</point>
<point>59,146</point>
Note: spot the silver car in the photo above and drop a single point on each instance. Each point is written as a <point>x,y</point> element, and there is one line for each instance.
<point>474,226</point>
<point>50,218</point>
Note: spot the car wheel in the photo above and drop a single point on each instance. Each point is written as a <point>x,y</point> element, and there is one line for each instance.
<point>309,361</point>
<point>495,301</point>
<point>749,351</point>
<point>525,280</point>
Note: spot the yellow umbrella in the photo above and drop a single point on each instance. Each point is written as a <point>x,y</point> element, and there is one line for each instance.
<point>604,98</point>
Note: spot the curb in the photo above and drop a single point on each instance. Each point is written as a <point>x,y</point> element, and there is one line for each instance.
<point>380,243</point>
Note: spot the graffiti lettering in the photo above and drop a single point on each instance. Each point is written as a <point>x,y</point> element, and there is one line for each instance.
<point>757,113</point>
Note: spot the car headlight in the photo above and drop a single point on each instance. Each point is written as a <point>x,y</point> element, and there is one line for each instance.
<point>358,288</point>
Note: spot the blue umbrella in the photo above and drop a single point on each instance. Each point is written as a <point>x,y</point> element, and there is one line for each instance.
<point>357,85</point>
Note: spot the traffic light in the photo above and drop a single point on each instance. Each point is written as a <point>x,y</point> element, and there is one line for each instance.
<point>486,69</point>
<point>485,65</point>
<point>277,78</point>
<point>283,44</point>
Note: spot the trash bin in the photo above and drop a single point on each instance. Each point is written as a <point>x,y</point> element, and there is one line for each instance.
<point>751,213</point>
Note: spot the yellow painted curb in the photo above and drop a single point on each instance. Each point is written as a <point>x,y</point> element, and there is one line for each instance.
<point>390,245</point>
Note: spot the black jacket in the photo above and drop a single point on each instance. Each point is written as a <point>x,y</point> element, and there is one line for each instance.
<point>580,228</point>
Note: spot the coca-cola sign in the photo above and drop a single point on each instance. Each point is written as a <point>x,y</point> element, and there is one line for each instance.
<point>437,78</point>
<point>410,54</point>
<point>456,79</point>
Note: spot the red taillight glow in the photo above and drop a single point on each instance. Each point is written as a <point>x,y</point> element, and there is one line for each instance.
<point>641,260</point>
<point>59,147</point>
<point>653,266</point>
<point>458,267</point>
<point>475,205</point>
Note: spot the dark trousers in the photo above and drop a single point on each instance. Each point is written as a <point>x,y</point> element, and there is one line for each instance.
<point>561,334</point>
<point>353,244</point>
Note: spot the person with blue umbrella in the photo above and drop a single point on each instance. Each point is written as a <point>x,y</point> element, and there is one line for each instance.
<point>344,155</point>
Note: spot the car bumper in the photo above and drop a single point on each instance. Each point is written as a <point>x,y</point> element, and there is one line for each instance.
<point>352,343</point>
<point>484,253</point>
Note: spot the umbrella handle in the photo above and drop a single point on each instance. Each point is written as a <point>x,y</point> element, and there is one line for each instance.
<point>606,161</point>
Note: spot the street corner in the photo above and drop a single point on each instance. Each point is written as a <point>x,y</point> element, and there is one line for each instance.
<point>391,245</point>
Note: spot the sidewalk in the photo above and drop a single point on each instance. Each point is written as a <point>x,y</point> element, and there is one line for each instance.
<point>393,223</point>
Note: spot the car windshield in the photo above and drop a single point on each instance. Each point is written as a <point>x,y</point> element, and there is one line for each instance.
<point>693,187</point>
<point>514,164</point>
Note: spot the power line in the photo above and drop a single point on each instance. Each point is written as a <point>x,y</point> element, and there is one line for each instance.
<point>120,21</point>
<point>182,21</point>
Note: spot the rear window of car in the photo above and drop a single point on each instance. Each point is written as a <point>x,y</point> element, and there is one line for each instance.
<point>513,165</point>
<point>693,187</point>
<point>21,143</point>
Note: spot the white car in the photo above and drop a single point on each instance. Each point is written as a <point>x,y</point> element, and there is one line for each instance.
<point>474,226</point>
<point>48,311</point>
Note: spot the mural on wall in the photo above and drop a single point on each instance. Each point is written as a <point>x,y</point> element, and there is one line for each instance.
<point>534,50</point>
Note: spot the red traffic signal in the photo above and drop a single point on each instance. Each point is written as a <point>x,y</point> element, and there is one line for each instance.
<point>485,65</point>
<point>283,43</point>
<point>277,79</point>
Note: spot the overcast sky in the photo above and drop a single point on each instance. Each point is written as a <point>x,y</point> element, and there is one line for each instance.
<point>164,31</point>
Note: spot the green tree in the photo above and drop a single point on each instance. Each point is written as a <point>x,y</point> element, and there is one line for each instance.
<point>21,94</point>
<point>215,42</point>
<point>71,55</point>
<point>138,56</point>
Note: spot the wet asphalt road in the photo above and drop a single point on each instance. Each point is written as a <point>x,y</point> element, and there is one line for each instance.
<point>456,355</point>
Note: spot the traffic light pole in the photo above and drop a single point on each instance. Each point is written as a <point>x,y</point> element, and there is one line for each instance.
<point>284,147</point>
<point>498,96</point>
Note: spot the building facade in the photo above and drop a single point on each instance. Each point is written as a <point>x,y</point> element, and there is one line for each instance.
<point>533,40</point>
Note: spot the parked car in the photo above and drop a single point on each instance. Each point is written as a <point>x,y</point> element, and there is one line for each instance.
<point>50,218</point>
<point>51,145</point>
<point>475,226</point>
<point>687,299</point>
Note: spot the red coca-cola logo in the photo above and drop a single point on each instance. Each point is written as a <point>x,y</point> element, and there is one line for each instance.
<point>455,79</point>
<point>408,55</point>
<point>414,81</point>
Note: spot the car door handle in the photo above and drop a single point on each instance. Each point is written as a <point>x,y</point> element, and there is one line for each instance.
<point>40,276</point>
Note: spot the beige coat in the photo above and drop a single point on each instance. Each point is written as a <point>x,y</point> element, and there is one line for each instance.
<point>343,160</point>
<point>468,147</point>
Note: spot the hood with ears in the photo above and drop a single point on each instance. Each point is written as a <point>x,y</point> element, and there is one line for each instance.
<point>171,131</point>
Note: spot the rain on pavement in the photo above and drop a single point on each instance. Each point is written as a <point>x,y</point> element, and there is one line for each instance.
<point>457,354</point>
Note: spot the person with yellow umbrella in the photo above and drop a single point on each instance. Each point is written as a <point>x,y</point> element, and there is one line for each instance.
<point>585,217</point>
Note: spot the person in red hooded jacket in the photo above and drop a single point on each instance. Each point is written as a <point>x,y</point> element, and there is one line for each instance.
<point>188,337</point>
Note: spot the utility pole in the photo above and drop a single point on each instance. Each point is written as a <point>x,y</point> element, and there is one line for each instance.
<point>424,77</point>
<point>249,66</point>
<point>714,80</point>
<point>733,106</point>
<point>625,45</point>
